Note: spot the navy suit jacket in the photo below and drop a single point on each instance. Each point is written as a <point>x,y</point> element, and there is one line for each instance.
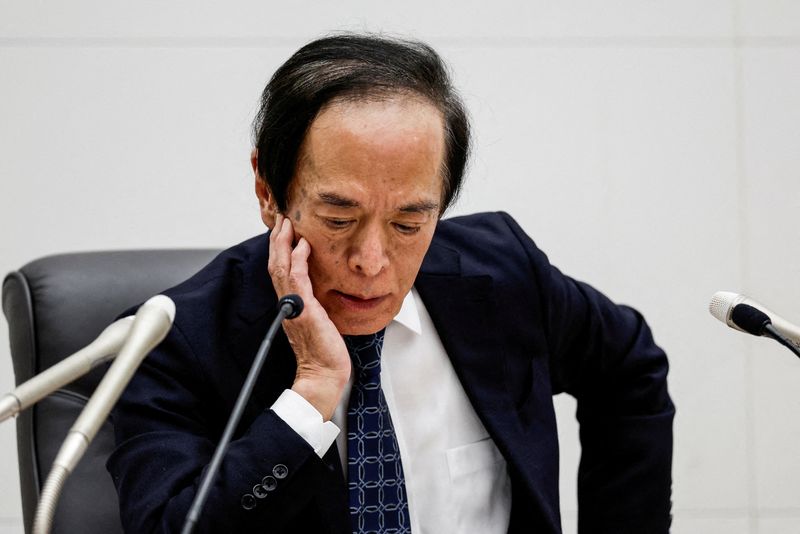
<point>517,332</point>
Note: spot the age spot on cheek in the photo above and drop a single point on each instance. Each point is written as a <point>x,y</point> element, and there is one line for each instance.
<point>297,215</point>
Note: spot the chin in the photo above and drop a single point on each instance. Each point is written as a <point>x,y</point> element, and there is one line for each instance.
<point>359,326</point>
<point>358,320</point>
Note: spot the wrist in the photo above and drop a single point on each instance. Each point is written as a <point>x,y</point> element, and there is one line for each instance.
<point>322,392</point>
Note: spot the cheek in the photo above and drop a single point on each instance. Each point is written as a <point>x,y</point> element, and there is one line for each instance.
<point>325,262</point>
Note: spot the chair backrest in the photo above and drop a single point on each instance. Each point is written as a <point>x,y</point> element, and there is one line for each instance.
<point>55,306</point>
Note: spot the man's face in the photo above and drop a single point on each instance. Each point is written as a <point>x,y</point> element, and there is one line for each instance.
<point>366,195</point>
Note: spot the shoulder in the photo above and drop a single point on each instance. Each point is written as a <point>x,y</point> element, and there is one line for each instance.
<point>488,229</point>
<point>487,242</point>
<point>485,224</point>
<point>212,309</point>
<point>227,266</point>
<point>228,286</point>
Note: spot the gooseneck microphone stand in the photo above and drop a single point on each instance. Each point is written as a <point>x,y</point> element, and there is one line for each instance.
<point>290,307</point>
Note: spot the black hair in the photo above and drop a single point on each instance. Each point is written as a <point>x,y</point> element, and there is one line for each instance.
<point>353,67</point>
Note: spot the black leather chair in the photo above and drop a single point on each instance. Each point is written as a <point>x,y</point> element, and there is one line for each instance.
<point>55,306</point>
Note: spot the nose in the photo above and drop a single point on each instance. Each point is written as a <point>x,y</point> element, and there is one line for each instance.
<point>368,253</point>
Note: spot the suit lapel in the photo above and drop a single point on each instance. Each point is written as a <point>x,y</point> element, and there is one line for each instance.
<point>464,311</point>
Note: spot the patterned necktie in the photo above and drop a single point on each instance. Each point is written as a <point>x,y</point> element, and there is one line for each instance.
<point>378,502</point>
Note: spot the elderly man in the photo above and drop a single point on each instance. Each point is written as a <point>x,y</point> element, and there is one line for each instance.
<point>414,393</point>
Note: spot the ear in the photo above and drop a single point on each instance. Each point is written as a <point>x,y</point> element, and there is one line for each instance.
<point>266,202</point>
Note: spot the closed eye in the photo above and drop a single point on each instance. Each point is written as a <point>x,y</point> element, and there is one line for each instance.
<point>406,229</point>
<point>337,224</point>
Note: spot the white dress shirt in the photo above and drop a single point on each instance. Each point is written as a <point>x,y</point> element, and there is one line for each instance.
<point>456,479</point>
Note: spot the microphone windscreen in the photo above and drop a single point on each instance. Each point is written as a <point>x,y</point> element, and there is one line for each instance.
<point>750,319</point>
<point>721,304</point>
<point>295,304</point>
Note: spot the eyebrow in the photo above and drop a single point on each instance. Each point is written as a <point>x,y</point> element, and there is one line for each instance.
<point>339,201</point>
<point>420,207</point>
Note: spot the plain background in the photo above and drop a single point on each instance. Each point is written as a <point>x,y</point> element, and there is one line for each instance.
<point>651,148</point>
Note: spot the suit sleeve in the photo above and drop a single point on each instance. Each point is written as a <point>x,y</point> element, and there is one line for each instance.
<point>165,441</point>
<point>604,355</point>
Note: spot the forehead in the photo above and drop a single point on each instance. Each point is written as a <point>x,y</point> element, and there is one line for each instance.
<point>392,141</point>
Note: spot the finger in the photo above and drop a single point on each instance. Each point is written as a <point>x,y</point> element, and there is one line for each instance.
<point>299,258</point>
<point>280,251</point>
<point>300,283</point>
<point>298,271</point>
<point>276,228</point>
<point>285,236</point>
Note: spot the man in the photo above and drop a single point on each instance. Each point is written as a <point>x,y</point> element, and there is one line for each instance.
<point>361,145</point>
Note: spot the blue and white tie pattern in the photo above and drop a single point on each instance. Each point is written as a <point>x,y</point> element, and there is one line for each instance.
<point>378,503</point>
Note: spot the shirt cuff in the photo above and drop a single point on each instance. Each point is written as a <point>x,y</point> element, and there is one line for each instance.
<point>304,419</point>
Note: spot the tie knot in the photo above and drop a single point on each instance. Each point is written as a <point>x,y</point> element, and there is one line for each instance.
<point>365,352</point>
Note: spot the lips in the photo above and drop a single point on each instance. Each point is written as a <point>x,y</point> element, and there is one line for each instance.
<point>359,303</point>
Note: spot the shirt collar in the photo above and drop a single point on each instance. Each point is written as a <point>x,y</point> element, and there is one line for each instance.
<point>408,315</point>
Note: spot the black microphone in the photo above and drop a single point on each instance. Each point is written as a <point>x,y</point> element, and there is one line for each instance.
<point>754,321</point>
<point>289,307</point>
<point>293,305</point>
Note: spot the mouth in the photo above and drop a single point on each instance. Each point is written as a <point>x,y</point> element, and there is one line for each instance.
<point>359,303</point>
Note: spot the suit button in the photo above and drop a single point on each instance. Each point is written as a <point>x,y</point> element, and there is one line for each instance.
<point>248,501</point>
<point>259,491</point>
<point>280,471</point>
<point>269,483</point>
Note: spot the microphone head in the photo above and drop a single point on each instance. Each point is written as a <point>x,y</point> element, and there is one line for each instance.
<point>750,319</point>
<point>294,304</point>
<point>164,303</point>
<point>721,304</point>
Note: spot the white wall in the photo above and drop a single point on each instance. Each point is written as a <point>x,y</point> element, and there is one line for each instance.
<point>650,147</point>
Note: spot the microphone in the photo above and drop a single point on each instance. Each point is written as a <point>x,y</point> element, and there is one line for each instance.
<point>150,326</point>
<point>102,349</point>
<point>723,304</point>
<point>289,307</point>
<point>741,313</point>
